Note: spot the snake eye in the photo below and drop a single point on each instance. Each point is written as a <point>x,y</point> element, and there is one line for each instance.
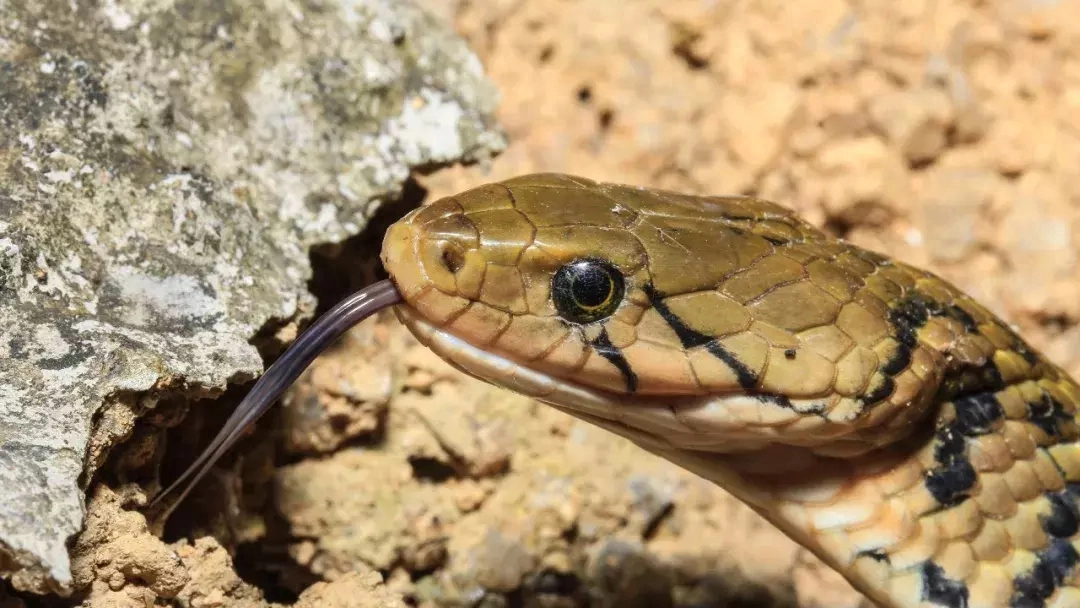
<point>587,290</point>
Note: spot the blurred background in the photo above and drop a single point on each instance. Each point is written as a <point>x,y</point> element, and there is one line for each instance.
<point>945,133</point>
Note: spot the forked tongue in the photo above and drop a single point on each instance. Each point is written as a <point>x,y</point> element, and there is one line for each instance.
<point>322,333</point>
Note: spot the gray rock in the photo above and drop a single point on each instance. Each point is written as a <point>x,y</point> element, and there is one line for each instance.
<point>164,169</point>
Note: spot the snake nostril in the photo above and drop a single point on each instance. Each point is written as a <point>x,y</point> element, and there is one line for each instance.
<point>452,258</point>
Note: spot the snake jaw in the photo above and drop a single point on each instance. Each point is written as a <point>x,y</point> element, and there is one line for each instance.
<point>711,424</point>
<point>650,420</point>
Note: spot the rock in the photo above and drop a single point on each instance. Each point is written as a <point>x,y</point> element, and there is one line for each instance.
<point>1016,146</point>
<point>1039,239</point>
<point>214,582</point>
<point>653,499</point>
<point>947,70</point>
<point>952,202</point>
<point>343,398</point>
<point>629,577</point>
<point>164,169</point>
<point>466,439</point>
<point>360,589</point>
<point>471,441</point>
<point>1066,348</point>
<point>498,562</point>
<point>118,559</point>
<point>359,519</point>
<point>915,121</point>
<point>864,180</point>
<point>1040,19</point>
<point>427,550</point>
<point>759,141</point>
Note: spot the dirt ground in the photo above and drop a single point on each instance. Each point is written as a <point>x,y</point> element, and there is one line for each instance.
<point>944,133</point>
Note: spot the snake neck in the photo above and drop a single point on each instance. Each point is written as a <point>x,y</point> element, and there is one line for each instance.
<point>980,508</point>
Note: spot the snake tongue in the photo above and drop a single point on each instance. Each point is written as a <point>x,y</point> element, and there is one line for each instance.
<point>324,332</point>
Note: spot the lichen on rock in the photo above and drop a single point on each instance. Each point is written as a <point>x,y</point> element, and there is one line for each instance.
<point>164,169</point>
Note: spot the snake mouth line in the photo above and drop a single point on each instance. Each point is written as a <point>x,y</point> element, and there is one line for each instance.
<point>644,420</point>
<point>653,423</point>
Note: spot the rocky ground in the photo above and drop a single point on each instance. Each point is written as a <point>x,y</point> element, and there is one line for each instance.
<point>944,133</point>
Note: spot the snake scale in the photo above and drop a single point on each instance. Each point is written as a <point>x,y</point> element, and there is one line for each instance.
<point>870,410</point>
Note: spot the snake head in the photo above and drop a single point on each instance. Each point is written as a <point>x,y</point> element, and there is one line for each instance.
<point>715,323</point>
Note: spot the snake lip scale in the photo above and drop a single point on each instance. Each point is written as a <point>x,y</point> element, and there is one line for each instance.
<point>870,410</point>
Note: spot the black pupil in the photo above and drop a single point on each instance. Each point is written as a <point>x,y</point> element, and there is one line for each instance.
<point>586,291</point>
<point>591,285</point>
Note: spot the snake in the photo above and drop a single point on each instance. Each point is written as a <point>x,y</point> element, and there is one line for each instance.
<point>870,410</point>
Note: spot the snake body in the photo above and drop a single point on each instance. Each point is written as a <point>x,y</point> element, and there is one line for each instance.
<point>870,410</point>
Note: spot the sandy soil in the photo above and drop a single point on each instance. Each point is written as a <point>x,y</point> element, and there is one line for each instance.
<point>943,133</point>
